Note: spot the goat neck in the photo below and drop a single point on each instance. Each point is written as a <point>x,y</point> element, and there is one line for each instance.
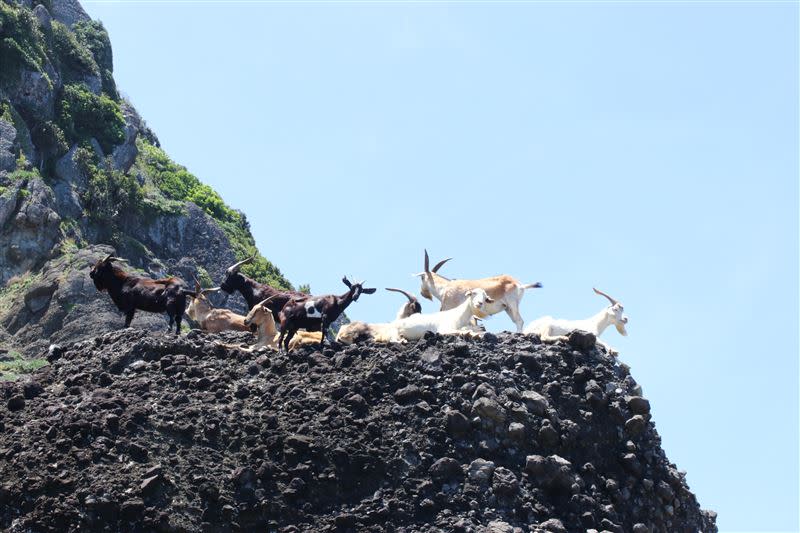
<point>599,322</point>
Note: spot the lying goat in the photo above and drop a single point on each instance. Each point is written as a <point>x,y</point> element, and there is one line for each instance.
<point>552,329</point>
<point>130,292</point>
<point>381,332</point>
<point>255,292</point>
<point>505,291</point>
<point>456,321</point>
<point>260,316</point>
<point>317,313</point>
<point>208,317</point>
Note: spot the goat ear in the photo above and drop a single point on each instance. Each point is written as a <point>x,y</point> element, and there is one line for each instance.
<point>368,291</point>
<point>346,282</point>
<point>489,300</point>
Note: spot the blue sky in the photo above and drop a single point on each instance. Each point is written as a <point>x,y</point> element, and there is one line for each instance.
<point>648,149</point>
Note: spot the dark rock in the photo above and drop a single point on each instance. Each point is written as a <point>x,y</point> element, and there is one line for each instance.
<point>638,405</point>
<point>408,394</point>
<point>635,425</point>
<point>15,403</point>
<point>445,468</point>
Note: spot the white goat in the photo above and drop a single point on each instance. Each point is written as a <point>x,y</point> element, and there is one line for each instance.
<point>381,332</point>
<point>505,292</point>
<point>552,329</point>
<point>456,321</point>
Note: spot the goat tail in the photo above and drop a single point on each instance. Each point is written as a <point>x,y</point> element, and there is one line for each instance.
<point>536,285</point>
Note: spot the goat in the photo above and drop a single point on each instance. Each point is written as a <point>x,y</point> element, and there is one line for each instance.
<point>505,291</point>
<point>129,292</point>
<point>260,316</point>
<point>255,292</point>
<point>317,313</point>
<point>210,318</point>
<point>381,332</point>
<point>455,321</point>
<point>552,329</point>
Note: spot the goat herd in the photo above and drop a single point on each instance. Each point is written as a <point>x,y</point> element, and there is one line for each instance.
<point>463,303</point>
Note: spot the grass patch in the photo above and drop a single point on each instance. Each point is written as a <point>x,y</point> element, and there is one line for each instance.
<point>13,366</point>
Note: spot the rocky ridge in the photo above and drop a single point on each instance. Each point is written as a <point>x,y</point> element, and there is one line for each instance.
<point>132,431</point>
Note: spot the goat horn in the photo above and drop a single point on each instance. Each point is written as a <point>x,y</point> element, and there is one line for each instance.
<point>197,286</point>
<point>427,261</point>
<point>212,289</point>
<point>237,266</point>
<point>440,263</point>
<point>109,256</point>
<point>610,299</point>
<point>262,302</point>
<point>410,297</point>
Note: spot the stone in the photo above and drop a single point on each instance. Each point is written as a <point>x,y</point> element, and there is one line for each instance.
<point>407,394</point>
<point>42,15</point>
<point>554,524</point>
<point>635,425</point>
<point>8,160</point>
<point>638,405</point>
<point>504,482</point>
<point>581,340</point>
<point>535,402</point>
<point>516,431</point>
<point>457,424</point>
<point>548,436</point>
<point>16,402</point>
<point>489,409</point>
<point>445,468</point>
<point>480,471</point>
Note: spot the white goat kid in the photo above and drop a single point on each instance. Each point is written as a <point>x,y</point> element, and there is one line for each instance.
<point>380,332</point>
<point>456,321</point>
<point>504,291</point>
<point>552,329</point>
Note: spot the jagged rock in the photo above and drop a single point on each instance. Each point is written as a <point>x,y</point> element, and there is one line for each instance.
<point>125,154</point>
<point>638,405</point>
<point>535,402</point>
<point>42,15</point>
<point>68,12</point>
<point>480,471</point>
<point>34,94</point>
<point>489,409</point>
<point>8,159</point>
<point>635,425</point>
<point>445,468</point>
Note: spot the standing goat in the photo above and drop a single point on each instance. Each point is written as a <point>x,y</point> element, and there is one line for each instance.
<point>381,332</point>
<point>552,329</point>
<point>458,320</point>
<point>255,292</point>
<point>130,292</point>
<point>260,316</point>
<point>317,313</point>
<point>208,317</point>
<point>505,291</point>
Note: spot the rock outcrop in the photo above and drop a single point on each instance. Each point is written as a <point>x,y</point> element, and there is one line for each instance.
<point>134,431</point>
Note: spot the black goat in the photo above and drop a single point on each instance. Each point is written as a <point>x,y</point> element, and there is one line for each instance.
<point>317,313</point>
<point>255,292</point>
<point>130,292</point>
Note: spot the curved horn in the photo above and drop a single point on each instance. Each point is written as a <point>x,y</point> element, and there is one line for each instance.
<point>610,299</point>
<point>440,263</point>
<point>109,256</point>
<point>427,261</point>
<point>212,289</point>
<point>236,266</point>
<point>411,297</point>
<point>262,303</point>
<point>197,286</point>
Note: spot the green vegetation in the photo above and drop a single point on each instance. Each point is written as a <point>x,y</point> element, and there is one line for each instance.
<point>22,43</point>
<point>94,37</point>
<point>74,58</point>
<point>178,184</point>
<point>13,366</point>
<point>204,278</point>
<point>14,289</point>
<point>83,115</point>
<point>111,196</point>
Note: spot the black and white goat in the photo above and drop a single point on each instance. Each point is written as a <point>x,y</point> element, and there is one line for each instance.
<point>316,313</point>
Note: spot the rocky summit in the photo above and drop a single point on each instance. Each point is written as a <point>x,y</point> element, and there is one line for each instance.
<point>136,431</point>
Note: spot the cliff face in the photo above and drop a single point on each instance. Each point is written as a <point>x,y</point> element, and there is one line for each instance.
<point>135,431</point>
<point>81,175</point>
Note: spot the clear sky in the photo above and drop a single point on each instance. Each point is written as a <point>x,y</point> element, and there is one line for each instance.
<point>648,149</point>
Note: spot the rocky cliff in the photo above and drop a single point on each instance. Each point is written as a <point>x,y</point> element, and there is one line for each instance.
<point>81,175</point>
<point>136,431</point>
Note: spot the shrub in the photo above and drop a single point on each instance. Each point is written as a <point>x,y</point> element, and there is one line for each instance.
<point>94,37</point>
<point>111,196</point>
<point>22,43</point>
<point>83,115</point>
<point>75,58</point>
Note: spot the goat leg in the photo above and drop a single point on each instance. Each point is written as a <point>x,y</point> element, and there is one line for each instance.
<point>129,317</point>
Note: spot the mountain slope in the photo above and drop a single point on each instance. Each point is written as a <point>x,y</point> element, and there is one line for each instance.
<point>135,431</point>
<point>81,175</point>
